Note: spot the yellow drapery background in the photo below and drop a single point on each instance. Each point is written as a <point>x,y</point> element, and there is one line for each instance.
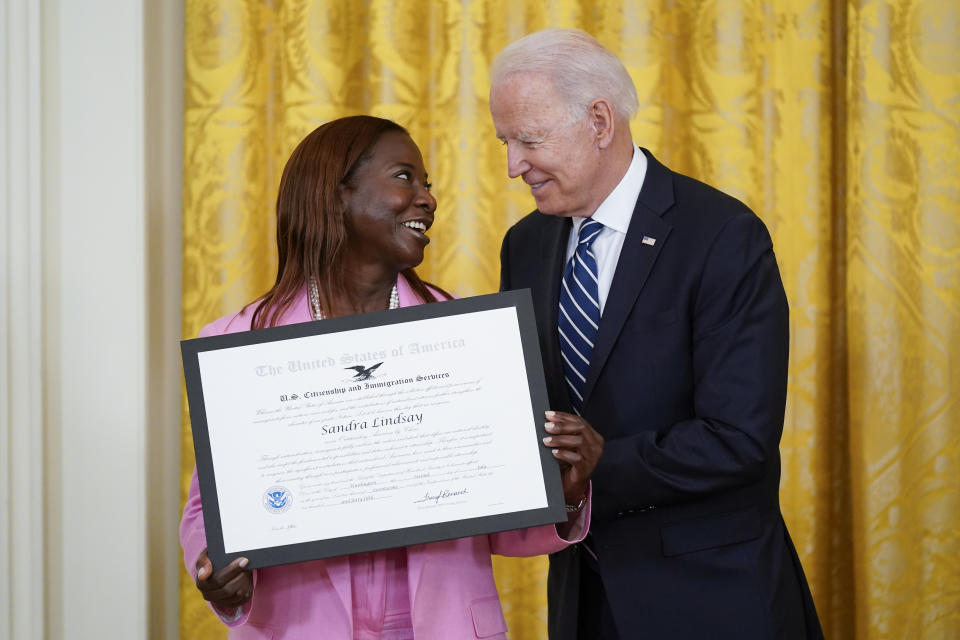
<point>837,122</point>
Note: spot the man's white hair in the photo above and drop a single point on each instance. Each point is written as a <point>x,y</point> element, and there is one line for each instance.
<point>581,69</point>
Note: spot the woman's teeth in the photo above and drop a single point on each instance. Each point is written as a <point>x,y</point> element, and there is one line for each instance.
<point>416,224</point>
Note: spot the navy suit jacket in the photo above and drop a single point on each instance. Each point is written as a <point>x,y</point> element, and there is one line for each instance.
<point>687,384</point>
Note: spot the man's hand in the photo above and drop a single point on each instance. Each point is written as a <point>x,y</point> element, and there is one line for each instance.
<point>228,588</point>
<point>577,446</point>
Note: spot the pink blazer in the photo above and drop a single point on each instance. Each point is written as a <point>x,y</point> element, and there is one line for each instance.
<point>451,584</point>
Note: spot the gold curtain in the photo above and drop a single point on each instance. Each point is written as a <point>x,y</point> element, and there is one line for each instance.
<point>838,122</point>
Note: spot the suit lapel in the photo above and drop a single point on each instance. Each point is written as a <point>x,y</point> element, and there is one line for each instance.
<point>635,263</point>
<point>553,245</point>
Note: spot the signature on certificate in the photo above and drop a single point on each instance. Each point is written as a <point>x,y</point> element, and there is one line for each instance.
<point>442,494</point>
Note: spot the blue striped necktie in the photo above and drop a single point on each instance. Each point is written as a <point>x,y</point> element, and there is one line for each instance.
<point>579,314</point>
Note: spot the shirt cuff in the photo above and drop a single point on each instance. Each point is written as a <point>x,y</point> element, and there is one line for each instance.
<point>578,522</point>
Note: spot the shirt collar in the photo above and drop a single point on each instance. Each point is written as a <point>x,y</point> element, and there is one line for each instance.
<point>616,210</point>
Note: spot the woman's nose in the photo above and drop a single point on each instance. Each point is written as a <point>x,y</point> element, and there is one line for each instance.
<point>426,200</point>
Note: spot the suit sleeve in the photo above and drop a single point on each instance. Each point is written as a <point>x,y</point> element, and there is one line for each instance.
<point>740,344</point>
<point>193,535</point>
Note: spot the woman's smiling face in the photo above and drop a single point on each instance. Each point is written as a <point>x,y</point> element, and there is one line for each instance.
<point>388,205</point>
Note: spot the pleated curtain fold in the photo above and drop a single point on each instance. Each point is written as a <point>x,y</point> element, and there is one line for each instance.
<point>837,122</point>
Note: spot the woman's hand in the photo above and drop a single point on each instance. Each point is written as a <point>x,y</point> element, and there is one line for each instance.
<point>228,588</point>
<point>577,446</point>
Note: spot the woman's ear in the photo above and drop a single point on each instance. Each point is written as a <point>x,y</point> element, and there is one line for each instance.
<point>346,195</point>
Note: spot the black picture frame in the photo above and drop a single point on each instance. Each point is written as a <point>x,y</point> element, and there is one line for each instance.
<point>387,538</point>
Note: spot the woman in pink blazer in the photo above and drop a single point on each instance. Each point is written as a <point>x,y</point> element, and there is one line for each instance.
<point>353,209</point>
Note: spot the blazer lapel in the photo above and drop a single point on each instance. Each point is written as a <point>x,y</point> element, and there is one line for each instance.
<point>338,570</point>
<point>553,245</point>
<point>635,263</point>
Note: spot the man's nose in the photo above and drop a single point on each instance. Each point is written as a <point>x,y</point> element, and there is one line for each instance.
<point>517,163</point>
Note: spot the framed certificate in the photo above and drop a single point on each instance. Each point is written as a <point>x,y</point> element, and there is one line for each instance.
<point>372,431</point>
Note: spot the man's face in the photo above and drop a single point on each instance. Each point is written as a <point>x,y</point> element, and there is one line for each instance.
<point>553,153</point>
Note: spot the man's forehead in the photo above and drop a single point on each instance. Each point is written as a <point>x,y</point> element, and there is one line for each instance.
<point>529,124</point>
<point>525,113</point>
<point>524,86</point>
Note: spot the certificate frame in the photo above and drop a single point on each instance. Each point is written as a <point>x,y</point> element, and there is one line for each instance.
<point>552,512</point>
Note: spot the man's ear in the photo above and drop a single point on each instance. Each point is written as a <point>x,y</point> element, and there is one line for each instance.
<point>602,119</point>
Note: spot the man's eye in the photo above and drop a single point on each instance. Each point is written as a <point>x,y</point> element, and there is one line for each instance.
<point>428,185</point>
<point>403,175</point>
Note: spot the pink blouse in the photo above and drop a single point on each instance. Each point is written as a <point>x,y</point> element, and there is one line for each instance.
<point>381,596</point>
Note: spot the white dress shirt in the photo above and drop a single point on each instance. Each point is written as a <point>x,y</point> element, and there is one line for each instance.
<point>614,213</point>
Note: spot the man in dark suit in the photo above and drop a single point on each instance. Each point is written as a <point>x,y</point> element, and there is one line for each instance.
<point>665,329</point>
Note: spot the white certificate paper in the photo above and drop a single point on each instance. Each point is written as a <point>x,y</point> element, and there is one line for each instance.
<point>376,431</point>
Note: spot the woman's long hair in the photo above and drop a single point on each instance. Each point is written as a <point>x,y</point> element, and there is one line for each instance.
<point>311,217</point>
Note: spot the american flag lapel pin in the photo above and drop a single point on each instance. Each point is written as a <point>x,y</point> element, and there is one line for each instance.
<point>648,240</point>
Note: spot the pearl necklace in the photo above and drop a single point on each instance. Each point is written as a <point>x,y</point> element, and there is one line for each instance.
<point>315,299</point>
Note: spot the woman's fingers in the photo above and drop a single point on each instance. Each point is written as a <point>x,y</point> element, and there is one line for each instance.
<point>229,587</point>
<point>233,593</point>
<point>559,422</point>
<point>221,577</point>
<point>564,442</point>
<point>565,447</point>
<point>577,447</point>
